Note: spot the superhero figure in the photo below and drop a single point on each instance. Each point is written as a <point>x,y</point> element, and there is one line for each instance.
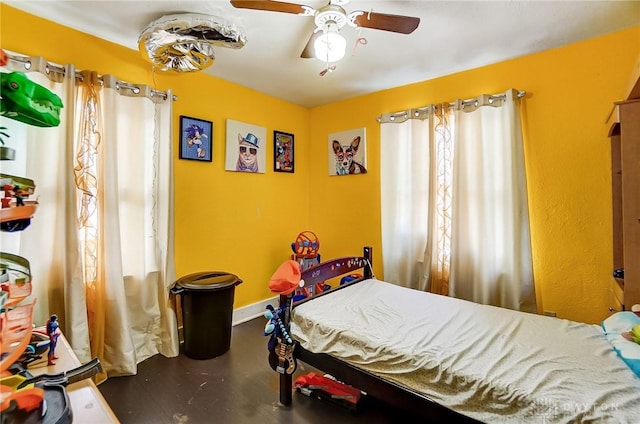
<point>53,330</point>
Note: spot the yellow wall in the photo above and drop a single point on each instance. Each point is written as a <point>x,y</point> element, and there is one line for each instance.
<point>229,221</point>
<point>570,94</point>
<point>244,223</point>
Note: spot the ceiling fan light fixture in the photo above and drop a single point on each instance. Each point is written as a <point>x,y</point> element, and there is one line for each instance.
<point>330,46</point>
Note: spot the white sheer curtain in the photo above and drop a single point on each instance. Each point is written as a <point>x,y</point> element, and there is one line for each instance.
<point>454,201</point>
<point>490,245</point>
<point>123,167</point>
<point>416,198</point>
<point>50,242</point>
<point>405,201</point>
<point>101,242</point>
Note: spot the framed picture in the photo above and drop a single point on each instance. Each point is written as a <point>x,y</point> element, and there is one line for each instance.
<point>196,139</point>
<point>348,152</point>
<point>246,148</point>
<point>283,152</point>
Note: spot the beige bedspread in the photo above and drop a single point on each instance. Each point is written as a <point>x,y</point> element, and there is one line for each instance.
<point>492,364</point>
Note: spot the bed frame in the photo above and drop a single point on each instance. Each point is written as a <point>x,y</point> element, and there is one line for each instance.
<point>414,403</point>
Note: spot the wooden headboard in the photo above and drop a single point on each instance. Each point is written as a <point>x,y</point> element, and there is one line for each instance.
<point>336,268</point>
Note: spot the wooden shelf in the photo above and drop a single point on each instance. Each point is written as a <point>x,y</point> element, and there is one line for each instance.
<point>625,183</point>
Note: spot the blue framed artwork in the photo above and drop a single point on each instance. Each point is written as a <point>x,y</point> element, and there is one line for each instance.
<point>196,139</point>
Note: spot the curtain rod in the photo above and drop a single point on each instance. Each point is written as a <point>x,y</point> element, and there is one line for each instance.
<point>421,112</point>
<point>50,67</point>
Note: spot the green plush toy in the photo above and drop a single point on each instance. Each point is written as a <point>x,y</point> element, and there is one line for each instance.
<point>28,102</point>
<point>633,335</point>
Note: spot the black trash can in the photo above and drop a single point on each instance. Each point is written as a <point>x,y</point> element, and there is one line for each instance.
<point>207,310</point>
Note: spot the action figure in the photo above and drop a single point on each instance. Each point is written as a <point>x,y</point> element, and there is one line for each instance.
<point>17,193</point>
<point>53,330</point>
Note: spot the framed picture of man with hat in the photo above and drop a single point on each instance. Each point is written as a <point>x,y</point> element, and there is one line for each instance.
<point>246,148</point>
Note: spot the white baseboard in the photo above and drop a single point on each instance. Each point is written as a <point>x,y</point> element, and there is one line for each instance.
<point>252,311</point>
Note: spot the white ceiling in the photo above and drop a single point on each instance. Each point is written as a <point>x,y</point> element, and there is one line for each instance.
<point>453,36</point>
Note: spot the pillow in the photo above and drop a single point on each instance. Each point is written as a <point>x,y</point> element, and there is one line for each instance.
<point>620,322</point>
<point>628,351</point>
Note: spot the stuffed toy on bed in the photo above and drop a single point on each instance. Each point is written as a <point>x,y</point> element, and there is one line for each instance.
<point>622,330</point>
<point>633,335</point>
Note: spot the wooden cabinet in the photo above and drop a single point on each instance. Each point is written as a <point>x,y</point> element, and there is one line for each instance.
<point>625,168</point>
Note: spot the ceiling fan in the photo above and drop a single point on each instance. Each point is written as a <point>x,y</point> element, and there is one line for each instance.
<point>326,43</point>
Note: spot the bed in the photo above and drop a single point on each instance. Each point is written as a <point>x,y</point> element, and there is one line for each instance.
<point>448,360</point>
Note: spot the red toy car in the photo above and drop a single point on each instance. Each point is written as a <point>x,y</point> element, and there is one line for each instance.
<point>327,388</point>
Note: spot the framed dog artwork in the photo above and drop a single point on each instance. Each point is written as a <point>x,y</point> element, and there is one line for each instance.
<point>196,137</point>
<point>246,147</point>
<point>348,152</point>
<point>283,160</point>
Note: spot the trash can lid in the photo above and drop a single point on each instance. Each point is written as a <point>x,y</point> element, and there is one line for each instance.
<point>212,280</point>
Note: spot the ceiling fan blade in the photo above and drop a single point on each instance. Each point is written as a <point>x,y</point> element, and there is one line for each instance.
<point>273,6</point>
<point>309,51</point>
<point>384,21</point>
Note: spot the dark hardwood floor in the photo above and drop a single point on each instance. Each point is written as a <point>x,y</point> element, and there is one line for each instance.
<point>237,387</point>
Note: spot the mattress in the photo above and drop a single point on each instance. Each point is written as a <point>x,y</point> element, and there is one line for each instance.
<point>489,363</point>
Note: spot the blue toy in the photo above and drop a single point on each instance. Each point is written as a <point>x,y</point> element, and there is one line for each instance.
<point>53,330</point>
<point>349,278</point>
<point>280,343</point>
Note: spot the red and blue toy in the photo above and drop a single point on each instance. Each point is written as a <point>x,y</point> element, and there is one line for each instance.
<point>328,388</point>
<point>305,252</point>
